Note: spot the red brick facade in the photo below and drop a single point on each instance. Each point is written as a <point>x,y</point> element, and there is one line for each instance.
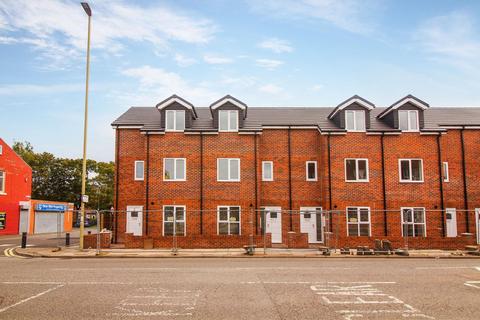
<point>251,193</point>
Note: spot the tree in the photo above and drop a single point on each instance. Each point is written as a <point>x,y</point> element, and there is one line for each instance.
<point>59,179</point>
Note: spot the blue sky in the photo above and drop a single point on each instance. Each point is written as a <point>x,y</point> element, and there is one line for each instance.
<point>309,53</point>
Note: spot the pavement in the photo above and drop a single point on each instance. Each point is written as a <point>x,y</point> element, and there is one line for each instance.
<point>230,288</point>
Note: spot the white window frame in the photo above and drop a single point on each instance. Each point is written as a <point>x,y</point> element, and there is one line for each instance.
<point>135,171</point>
<point>175,169</point>
<point>228,220</point>
<point>355,127</point>
<point>413,223</point>
<point>409,123</point>
<point>229,164</point>
<point>445,172</point>
<point>175,129</point>
<point>358,223</point>
<point>1,149</point>
<point>3,184</point>
<point>306,171</point>
<point>175,219</point>
<point>410,169</point>
<point>229,124</point>
<point>263,170</point>
<point>356,170</point>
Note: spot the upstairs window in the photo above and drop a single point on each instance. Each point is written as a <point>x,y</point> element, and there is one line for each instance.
<point>411,170</point>
<point>228,120</point>
<point>267,170</point>
<point>356,170</point>
<point>355,120</point>
<point>311,170</point>
<point>228,169</point>
<point>2,181</point>
<point>408,120</point>
<point>174,169</point>
<point>446,177</point>
<point>174,120</point>
<point>139,170</point>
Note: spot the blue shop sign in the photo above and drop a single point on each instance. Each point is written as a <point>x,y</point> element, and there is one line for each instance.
<point>51,207</point>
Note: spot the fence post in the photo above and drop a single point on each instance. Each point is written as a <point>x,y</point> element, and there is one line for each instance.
<point>264,231</point>
<point>98,232</point>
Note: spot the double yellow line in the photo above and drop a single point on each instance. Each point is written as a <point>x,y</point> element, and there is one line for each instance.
<point>11,253</point>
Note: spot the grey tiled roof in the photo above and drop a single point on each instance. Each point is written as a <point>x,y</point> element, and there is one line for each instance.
<point>149,117</point>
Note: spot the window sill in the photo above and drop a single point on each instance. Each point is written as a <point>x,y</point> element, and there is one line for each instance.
<point>171,180</point>
<point>3,193</point>
<point>358,181</point>
<point>228,180</point>
<point>411,181</point>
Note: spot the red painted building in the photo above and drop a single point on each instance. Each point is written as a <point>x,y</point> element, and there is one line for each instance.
<point>222,176</point>
<point>15,188</point>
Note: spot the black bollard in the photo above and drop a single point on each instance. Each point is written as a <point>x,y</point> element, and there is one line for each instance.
<point>67,239</point>
<point>24,240</point>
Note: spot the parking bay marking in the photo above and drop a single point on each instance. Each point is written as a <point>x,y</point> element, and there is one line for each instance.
<point>31,297</point>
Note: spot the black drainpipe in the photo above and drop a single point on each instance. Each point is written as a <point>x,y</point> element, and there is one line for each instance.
<point>440,176</point>
<point>201,182</point>
<point>256,182</point>
<point>384,188</point>
<point>290,177</point>
<point>465,193</point>
<point>117,164</point>
<point>147,179</point>
<point>330,183</point>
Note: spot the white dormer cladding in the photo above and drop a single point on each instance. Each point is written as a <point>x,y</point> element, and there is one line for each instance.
<point>228,114</point>
<point>406,114</point>
<point>353,114</point>
<point>176,113</point>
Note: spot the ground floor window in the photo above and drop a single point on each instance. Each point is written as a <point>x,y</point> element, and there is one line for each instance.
<point>3,220</point>
<point>413,222</point>
<point>358,221</point>
<point>174,220</point>
<point>228,220</point>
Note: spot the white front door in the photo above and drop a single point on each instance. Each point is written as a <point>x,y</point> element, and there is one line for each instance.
<point>135,220</point>
<point>311,223</point>
<point>451,216</point>
<point>477,219</point>
<point>273,223</point>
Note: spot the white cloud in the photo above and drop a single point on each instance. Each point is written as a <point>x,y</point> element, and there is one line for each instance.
<point>156,84</point>
<point>216,59</point>
<point>350,15</point>
<point>317,87</point>
<point>268,63</point>
<point>184,61</point>
<point>271,89</point>
<point>276,45</point>
<point>62,24</point>
<point>451,39</point>
<point>33,89</point>
<point>242,82</point>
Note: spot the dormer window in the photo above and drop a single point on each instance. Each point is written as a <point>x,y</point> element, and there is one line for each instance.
<point>355,120</point>
<point>174,120</point>
<point>408,120</point>
<point>228,120</point>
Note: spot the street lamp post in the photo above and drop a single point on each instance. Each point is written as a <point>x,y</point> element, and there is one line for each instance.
<point>88,11</point>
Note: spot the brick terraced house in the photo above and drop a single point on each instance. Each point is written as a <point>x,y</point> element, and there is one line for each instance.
<point>222,176</point>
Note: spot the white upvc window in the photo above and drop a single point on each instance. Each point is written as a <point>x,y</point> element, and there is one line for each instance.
<point>408,120</point>
<point>355,120</point>
<point>228,120</point>
<point>358,221</point>
<point>139,170</point>
<point>174,220</point>
<point>410,170</point>
<point>267,170</point>
<point>2,182</point>
<point>174,120</point>
<point>446,176</point>
<point>311,170</point>
<point>174,169</point>
<point>356,170</point>
<point>413,222</point>
<point>228,220</point>
<point>1,149</point>
<point>228,169</point>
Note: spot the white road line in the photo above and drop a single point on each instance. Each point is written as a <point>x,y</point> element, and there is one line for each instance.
<point>320,282</point>
<point>31,297</point>
<point>478,268</point>
<point>474,284</point>
<point>6,245</point>
<point>442,268</point>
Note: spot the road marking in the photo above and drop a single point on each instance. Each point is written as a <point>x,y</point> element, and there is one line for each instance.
<point>31,297</point>
<point>478,268</point>
<point>474,284</point>
<point>6,245</point>
<point>442,268</point>
<point>365,298</point>
<point>314,282</point>
<point>11,254</point>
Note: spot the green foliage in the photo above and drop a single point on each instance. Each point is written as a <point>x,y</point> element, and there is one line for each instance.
<point>60,179</point>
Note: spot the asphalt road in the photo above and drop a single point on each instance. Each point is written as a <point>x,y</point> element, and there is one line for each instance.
<point>241,288</point>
